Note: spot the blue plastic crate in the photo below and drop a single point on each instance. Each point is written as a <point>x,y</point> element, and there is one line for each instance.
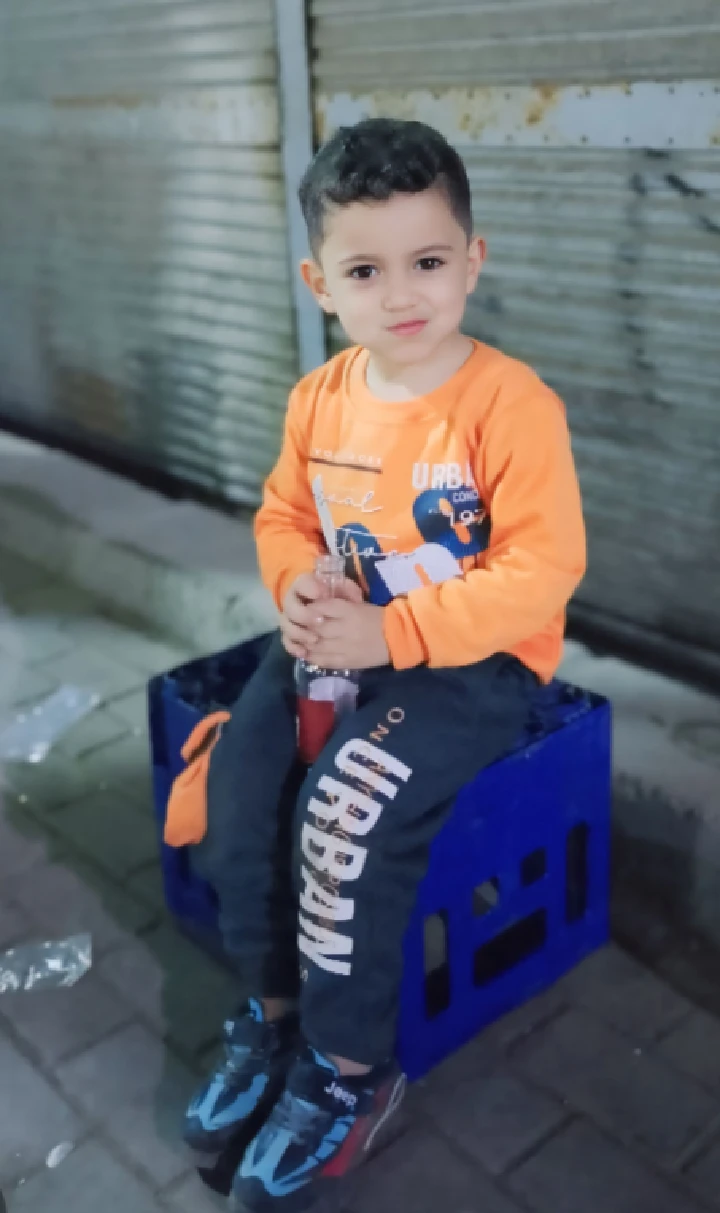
<point>517,889</point>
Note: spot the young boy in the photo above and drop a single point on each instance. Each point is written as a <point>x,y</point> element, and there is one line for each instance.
<point>447,470</point>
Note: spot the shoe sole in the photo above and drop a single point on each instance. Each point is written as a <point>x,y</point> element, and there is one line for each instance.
<point>389,1129</point>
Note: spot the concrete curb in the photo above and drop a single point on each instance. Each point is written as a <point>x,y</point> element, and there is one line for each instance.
<point>203,608</point>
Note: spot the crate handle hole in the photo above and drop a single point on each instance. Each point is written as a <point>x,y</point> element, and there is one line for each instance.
<point>486,897</point>
<point>437,964</point>
<point>510,947</point>
<point>576,872</point>
<point>533,867</point>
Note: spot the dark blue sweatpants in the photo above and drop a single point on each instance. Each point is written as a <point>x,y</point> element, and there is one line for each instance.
<point>317,870</point>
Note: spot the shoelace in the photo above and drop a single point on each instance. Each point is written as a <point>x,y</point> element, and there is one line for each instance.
<point>236,1056</point>
<point>305,1121</point>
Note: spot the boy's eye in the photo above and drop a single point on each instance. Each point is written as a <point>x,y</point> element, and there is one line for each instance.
<point>430,263</point>
<point>362,272</point>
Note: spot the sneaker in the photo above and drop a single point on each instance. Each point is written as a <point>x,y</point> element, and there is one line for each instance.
<point>323,1126</point>
<point>258,1056</point>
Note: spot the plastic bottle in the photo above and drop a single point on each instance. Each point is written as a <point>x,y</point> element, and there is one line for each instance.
<point>323,696</point>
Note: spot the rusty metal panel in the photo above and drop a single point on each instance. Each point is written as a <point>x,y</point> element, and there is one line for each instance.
<point>364,45</point>
<point>144,294</point>
<point>678,114</point>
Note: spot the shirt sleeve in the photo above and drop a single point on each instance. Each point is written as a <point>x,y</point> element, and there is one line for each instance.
<point>536,555</point>
<point>287,529</point>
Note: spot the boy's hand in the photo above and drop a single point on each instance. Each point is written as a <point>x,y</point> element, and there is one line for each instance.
<point>350,637</point>
<point>300,619</point>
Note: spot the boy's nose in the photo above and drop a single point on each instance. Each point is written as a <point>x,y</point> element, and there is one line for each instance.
<point>398,296</point>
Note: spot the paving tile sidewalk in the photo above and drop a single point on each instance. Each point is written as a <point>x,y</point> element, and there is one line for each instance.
<point>602,1096</point>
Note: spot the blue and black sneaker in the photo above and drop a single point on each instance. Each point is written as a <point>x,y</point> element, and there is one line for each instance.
<point>247,1083</point>
<point>323,1126</point>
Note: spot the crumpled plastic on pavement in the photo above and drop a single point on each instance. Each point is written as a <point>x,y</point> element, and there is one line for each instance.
<point>30,736</point>
<point>53,965</point>
<point>58,1154</point>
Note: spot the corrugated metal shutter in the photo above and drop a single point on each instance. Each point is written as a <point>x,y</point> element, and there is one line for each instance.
<point>604,266</point>
<point>405,44</point>
<point>144,291</point>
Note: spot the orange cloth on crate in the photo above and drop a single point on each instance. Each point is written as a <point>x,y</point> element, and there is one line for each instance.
<point>478,473</point>
<point>186,818</point>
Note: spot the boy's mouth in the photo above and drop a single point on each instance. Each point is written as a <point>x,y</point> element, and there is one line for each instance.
<point>408,328</point>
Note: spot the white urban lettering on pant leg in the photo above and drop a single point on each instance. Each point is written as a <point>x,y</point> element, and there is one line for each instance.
<point>351,812</point>
<point>329,854</point>
<point>317,900</point>
<point>354,812</point>
<point>323,946</point>
<point>365,749</point>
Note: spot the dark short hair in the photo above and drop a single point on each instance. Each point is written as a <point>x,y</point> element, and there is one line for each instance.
<point>375,159</point>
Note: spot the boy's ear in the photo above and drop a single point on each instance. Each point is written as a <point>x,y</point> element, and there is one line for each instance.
<point>314,279</point>
<point>476,255</point>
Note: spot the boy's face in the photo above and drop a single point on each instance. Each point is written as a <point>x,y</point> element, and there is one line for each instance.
<point>397,274</point>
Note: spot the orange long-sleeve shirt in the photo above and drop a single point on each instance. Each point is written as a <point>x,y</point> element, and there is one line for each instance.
<point>459,512</point>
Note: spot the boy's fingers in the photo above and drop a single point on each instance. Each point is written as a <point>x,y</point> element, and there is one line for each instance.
<point>300,593</point>
<point>327,655</point>
<point>308,588</point>
<point>329,630</point>
<point>334,608</point>
<point>301,615</point>
<point>295,650</point>
<point>350,591</point>
<point>298,635</point>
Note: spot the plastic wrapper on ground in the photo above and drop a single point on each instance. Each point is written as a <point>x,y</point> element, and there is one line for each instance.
<point>52,965</point>
<point>30,736</point>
